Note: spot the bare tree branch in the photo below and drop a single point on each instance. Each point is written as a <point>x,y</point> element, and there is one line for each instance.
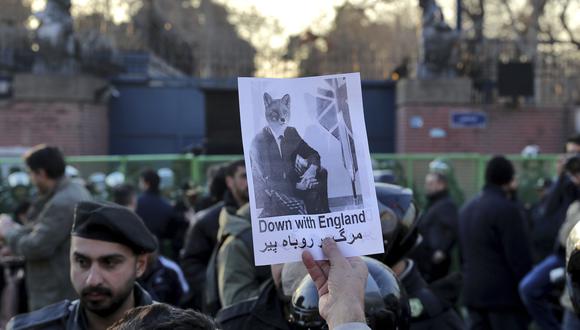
<point>519,40</point>
<point>564,22</point>
<point>510,14</point>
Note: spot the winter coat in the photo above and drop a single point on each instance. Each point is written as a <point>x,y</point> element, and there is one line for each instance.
<point>45,243</point>
<point>495,248</point>
<point>238,278</point>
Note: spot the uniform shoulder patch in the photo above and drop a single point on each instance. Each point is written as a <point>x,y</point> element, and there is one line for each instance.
<point>416,307</point>
<point>41,317</point>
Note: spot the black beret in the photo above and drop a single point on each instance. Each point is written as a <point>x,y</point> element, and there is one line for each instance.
<point>110,222</point>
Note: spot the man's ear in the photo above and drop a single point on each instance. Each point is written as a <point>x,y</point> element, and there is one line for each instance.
<point>286,100</point>
<point>141,263</point>
<point>41,173</point>
<point>267,99</point>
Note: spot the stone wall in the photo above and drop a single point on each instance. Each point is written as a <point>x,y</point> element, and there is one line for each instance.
<point>62,111</point>
<point>424,123</point>
<point>506,130</point>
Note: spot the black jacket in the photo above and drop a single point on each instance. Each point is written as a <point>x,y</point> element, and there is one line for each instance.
<point>162,283</point>
<point>564,193</point>
<point>156,213</point>
<point>428,311</point>
<point>200,241</point>
<point>495,247</point>
<point>65,315</point>
<point>438,227</point>
<point>265,312</point>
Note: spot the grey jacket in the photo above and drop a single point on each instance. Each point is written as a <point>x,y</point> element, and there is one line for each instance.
<point>45,243</point>
<point>65,315</point>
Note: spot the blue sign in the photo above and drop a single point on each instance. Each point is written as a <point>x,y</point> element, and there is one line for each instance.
<point>468,120</point>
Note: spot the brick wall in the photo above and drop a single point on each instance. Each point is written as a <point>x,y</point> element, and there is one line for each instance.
<point>507,130</point>
<point>79,128</point>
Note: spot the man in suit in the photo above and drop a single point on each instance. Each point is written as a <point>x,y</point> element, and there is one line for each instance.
<point>287,173</point>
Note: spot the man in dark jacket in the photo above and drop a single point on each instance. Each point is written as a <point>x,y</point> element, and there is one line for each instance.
<point>495,247</point>
<point>560,196</point>
<point>536,286</point>
<point>438,229</point>
<point>201,237</point>
<point>287,172</point>
<point>155,211</point>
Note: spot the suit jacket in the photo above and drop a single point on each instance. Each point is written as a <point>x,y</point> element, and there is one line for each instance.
<point>495,246</point>
<point>274,168</point>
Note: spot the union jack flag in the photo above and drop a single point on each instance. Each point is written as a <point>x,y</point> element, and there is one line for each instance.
<point>330,106</point>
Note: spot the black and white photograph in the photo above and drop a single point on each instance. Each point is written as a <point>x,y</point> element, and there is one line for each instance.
<point>305,143</point>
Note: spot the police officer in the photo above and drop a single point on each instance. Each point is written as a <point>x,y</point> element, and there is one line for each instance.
<point>399,219</point>
<point>109,247</point>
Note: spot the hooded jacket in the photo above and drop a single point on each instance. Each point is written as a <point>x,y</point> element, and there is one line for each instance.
<point>238,277</point>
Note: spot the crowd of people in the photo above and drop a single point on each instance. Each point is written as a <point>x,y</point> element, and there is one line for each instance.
<point>140,261</point>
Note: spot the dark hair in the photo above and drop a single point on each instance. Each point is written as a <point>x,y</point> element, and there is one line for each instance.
<point>151,177</point>
<point>574,139</point>
<point>50,159</point>
<point>217,186</point>
<point>232,167</point>
<point>499,171</point>
<point>543,183</point>
<point>440,177</point>
<point>163,317</point>
<point>123,194</point>
<point>21,208</point>
<point>573,164</point>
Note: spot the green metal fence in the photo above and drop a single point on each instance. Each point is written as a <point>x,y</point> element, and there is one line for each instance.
<point>467,170</point>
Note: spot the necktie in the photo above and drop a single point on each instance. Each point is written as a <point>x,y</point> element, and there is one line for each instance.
<point>280,141</point>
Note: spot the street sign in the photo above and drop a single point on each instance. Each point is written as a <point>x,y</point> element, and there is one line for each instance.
<point>468,120</point>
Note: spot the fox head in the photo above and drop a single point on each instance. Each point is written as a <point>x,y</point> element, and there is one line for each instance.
<point>277,112</point>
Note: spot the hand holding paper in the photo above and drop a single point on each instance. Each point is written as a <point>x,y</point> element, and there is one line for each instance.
<point>311,174</point>
<point>340,283</point>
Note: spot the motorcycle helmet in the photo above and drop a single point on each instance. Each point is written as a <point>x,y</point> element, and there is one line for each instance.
<point>386,303</point>
<point>114,179</point>
<point>399,220</point>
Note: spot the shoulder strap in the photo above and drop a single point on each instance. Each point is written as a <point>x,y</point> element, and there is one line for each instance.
<point>246,237</point>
